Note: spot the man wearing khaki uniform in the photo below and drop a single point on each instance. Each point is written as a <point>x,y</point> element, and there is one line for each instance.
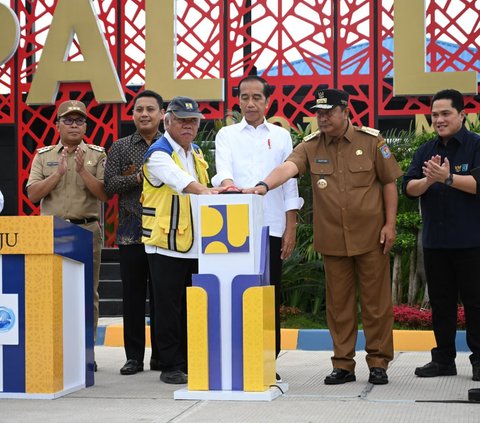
<point>67,179</point>
<point>355,202</point>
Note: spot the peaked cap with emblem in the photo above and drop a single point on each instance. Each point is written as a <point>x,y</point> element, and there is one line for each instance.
<point>330,98</point>
<point>184,107</point>
<point>71,106</point>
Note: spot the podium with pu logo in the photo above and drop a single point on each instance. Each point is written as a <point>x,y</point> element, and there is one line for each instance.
<point>46,307</point>
<point>230,307</point>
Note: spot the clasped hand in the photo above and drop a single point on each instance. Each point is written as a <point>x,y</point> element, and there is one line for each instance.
<point>435,171</point>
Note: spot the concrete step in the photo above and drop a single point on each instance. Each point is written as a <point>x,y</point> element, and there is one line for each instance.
<point>110,285</point>
<point>110,271</point>
<point>110,289</point>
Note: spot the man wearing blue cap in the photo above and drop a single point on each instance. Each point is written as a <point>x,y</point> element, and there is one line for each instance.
<point>173,168</point>
<point>355,197</point>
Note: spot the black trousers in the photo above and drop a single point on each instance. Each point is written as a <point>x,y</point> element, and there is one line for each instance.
<point>276,281</point>
<point>135,283</point>
<point>170,278</point>
<point>450,273</point>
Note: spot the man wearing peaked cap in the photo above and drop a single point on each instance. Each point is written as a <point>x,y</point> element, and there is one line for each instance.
<point>173,165</point>
<point>353,176</point>
<point>330,98</point>
<point>71,106</point>
<point>67,179</point>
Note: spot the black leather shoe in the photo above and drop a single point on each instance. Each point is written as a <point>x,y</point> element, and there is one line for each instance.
<point>476,372</point>
<point>278,378</point>
<point>339,376</point>
<point>155,364</point>
<point>131,367</point>
<point>95,367</point>
<point>175,377</point>
<point>434,369</point>
<point>378,376</point>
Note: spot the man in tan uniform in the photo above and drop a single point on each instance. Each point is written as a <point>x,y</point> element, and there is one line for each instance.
<point>67,179</point>
<point>355,198</point>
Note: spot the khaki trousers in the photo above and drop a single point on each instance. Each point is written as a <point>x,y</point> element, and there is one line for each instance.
<point>94,227</point>
<point>371,272</point>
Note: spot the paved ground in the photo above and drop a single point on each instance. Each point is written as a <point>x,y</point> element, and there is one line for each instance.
<point>143,398</point>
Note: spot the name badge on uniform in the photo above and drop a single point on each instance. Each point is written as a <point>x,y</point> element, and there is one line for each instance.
<point>322,183</point>
<point>321,161</point>
<point>52,163</point>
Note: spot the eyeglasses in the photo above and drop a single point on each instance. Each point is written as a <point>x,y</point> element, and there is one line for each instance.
<point>78,121</point>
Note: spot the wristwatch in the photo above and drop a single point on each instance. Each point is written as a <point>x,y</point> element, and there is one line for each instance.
<point>263,184</point>
<point>449,180</point>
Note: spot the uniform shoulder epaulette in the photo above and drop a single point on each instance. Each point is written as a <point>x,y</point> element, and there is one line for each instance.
<point>96,148</point>
<point>370,131</point>
<point>45,149</point>
<point>311,136</point>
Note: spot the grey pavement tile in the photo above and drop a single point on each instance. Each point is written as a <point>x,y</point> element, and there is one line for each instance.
<point>143,398</point>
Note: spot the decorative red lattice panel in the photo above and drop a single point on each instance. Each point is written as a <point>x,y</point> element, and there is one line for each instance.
<point>298,45</point>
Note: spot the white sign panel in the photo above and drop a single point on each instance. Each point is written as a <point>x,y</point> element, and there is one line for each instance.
<point>8,319</point>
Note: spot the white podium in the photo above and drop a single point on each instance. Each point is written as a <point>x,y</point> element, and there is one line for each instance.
<point>230,307</point>
<point>46,307</point>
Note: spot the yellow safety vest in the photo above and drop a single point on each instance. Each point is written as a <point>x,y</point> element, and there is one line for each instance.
<point>167,216</point>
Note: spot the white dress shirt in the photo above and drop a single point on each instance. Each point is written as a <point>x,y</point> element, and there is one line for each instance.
<point>247,155</point>
<point>162,169</point>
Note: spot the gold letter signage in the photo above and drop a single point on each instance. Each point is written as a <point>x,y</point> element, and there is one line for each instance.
<point>160,57</point>
<point>10,33</point>
<point>410,77</point>
<point>70,18</point>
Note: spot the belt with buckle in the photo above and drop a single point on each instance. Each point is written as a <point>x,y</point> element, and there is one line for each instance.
<point>82,221</point>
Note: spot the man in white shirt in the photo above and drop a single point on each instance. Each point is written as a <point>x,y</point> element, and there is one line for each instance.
<point>244,154</point>
<point>173,167</point>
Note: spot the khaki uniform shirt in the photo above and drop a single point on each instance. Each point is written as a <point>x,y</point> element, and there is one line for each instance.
<point>349,209</point>
<point>70,199</point>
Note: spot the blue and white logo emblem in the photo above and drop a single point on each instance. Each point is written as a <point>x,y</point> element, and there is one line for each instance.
<point>7,319</point>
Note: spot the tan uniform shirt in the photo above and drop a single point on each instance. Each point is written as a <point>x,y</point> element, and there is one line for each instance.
<point>349,209</point>
<point>70,199</point>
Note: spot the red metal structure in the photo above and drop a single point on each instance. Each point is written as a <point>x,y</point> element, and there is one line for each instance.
<point>340,43</point>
